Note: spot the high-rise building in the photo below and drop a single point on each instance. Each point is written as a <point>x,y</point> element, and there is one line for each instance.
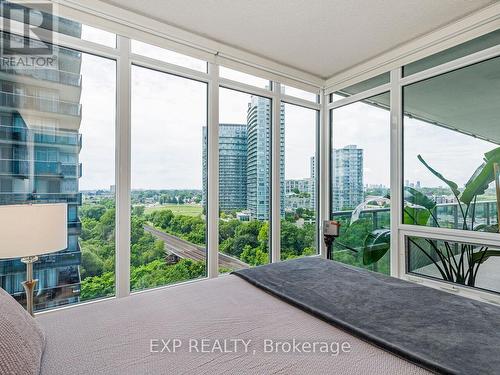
<point>313,181</point>
<point>232,167</point>
<point>347,177</point>
<point>312,167</point>
<point>40,143</point>
<point>259,158</point>
<point>245,162</point>
<point>295,189</point>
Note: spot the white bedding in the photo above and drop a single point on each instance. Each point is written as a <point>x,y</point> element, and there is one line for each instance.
<point>115,336</point>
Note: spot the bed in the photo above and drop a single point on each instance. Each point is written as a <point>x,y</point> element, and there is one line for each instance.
<point>114,337</point>
<point>204,319</point>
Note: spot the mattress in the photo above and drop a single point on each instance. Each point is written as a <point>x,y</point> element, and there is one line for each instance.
<point>218,326</point>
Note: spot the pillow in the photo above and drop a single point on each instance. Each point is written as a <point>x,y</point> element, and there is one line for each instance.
<point>21,339</point>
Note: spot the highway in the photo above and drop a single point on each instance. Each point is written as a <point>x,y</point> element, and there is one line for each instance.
<point>185,249</point>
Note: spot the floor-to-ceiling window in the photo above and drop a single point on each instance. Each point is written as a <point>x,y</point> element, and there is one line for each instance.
<point>360,182</point>
<point>244,179</point>
<point>451,173</point>
<point>57,133</point>
<point>299,181</point>
<point>168,219</point>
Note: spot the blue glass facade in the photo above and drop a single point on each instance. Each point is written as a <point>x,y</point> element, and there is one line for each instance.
<point>259,158</point>
<point>40,115</point>
<point>232,166</point>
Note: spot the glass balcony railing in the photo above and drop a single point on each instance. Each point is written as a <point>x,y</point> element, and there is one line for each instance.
<point>59,137</point>
<point>42,168</point>
<point>10,133</point>
<point>71,170</point>
<point>35,103</point>
<point>446,215</point>
<point>14,167</point>
<point>372,222</point>
<point>48,168</point>
<point>373,213</point>
<point>52,75</point>
<point>20,198</point>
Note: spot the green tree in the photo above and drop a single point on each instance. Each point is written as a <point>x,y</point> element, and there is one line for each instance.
<point>92,264</point>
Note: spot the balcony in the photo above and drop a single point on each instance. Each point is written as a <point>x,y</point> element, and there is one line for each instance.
<point>52,75</point>
<point>59,137</point>
<point>15,168</point>
<point>13,133</point>
<point>48,168</point>
<point>447,215</point>
<point>20,198</point>
<point>71,170</point>
<point>19,101</point>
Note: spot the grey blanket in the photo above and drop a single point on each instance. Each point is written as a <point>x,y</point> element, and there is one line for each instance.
<point>441,332</point>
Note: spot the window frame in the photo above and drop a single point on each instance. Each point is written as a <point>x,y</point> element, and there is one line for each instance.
<point>399,230</point>
<point>124,59</point>
<point>285,99</point>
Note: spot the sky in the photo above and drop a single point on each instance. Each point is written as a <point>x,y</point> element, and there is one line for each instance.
<point>368,128</point>
<point>98,122</point>
<point>453,154</point>
<point>168,113</point>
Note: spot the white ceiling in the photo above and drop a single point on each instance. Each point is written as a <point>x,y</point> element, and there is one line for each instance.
<point>320,37</point>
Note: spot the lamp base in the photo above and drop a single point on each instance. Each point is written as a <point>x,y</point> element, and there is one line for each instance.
<point>30,283</point>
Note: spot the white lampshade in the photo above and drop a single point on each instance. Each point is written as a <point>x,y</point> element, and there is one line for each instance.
<point>33,229</point>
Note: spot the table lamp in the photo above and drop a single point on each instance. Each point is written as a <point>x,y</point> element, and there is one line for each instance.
<point>29,230</point>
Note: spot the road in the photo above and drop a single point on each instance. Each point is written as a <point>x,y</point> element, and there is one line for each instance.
<point>185,249</point>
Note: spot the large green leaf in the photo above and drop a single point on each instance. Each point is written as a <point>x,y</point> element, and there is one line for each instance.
<point>452,185</point>
<point>417,208</point>
<point>377,244</point>
<point>486,228</point>
<point>482,177</point>
<point>416,215</point>
<point>415,197</point>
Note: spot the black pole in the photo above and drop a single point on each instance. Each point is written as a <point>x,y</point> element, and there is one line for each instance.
<point>329,244</point>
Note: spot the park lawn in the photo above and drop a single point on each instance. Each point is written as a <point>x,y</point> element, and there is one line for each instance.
<point>179,209</point>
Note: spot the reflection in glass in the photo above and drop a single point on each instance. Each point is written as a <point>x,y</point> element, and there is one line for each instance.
<point>168,56</point>
<point>245,78</point>
<point>368,84</point>
<point>467,264</point>
<point>298,93</point>
<point>475,45</point>
<point>360,180</point>
<point>57,135</point>
<point>451,146</point>
<point>42,14</point>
